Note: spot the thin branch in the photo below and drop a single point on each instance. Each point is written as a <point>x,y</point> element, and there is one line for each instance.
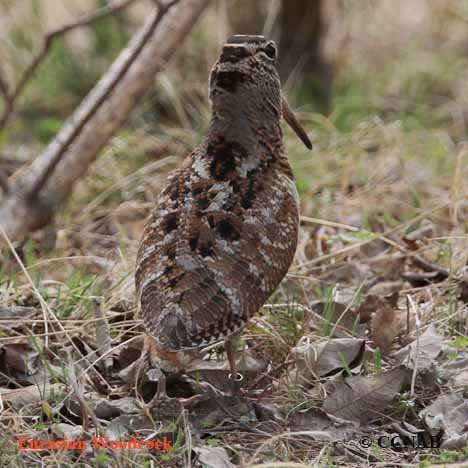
<point>20,214</point>
<point>18,312</point>
<point>4,87</point>
<point>6,95</point>
<point>49,38</point>
<point>90,18</point>
<point>417,322</point>
<point>39,183</point>
<point>78,390</point>
<point>428,267</point>
<point>4,185</point>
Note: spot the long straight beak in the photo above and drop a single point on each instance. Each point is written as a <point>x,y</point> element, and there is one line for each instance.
<point>294,124</point>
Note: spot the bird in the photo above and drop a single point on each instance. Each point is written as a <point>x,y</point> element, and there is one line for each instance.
<point>223,232</point>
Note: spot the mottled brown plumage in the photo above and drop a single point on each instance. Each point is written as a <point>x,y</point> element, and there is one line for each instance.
<point>224,230</point>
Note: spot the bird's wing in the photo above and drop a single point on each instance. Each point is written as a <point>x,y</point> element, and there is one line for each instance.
<point>212,253</point>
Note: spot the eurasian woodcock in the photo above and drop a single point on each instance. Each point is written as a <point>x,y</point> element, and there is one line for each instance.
<point>224,230</point>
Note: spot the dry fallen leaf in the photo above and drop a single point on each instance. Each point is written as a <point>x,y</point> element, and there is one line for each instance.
<point>373,302</point>
<point>14,316</point>
<point>385,288</point>
<point>221,409</point>
<point>219,378</point>
<point>418,280</point>
<point>68,431</point>
<point>461,379</point>
<point>463,290</point>
<point>110,409</point>
<point>327,357</point>
<point>213,457</point>
<point>428,229</point>
<point>423,352</point>
<point>385,324</point>
<point>121,427</point>
<point>217,373</point>
<point>361,399</point>
<point>31,395</point>
<point>129,353</point>
<point>448,412</point>
<point>456,370</point>
<point>21,357</point>
<point>455,443</point>
<point>321,425</point>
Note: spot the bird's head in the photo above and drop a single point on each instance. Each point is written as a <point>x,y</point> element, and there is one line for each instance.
<point>244,80</point>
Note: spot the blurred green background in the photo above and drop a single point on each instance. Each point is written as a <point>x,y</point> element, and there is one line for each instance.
<point>380,87</point>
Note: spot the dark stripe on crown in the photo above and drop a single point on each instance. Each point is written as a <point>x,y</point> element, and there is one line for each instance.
<point>242,39</point>
<point>233,54</point>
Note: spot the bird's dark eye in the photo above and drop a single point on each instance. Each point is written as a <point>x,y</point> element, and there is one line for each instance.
<point>270,50</point>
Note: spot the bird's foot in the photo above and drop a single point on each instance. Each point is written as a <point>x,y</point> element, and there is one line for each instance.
<point>235,378</point>
<point>161,397</point>
<point>235,383</point>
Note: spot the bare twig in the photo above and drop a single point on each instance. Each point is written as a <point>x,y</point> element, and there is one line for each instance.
<point>418,334</point>
<point>4,185</point>
<point>105,92</point>
<point>18,312</point>
<point>457,183</point>
<point>428,267</point>
<point>49,38</point>
<point>85,409</point>
<point>54,172</point>
<point>4,87</point>
<point>103,334</point>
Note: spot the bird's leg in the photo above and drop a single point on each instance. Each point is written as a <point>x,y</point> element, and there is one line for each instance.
<point>144,362</point>
<point>152,362</point>
<point>156,372</point>
<point>231,343</point>
<point>161,393</point>
<point>161,389</point>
